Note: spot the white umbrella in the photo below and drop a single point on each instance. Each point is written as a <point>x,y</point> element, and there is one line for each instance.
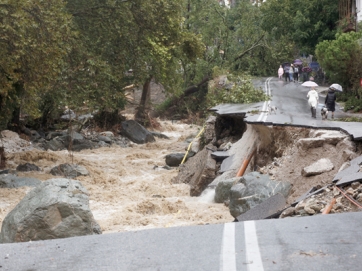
<point>309,84</point>
<point>336,87</point>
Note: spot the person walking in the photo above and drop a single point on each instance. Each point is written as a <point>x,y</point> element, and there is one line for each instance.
<point>291,73</point>
<point>313,101</point>
<point>296,73</point>
<point>330,101</point>
<point>280,72</point>
<point>286,72</point>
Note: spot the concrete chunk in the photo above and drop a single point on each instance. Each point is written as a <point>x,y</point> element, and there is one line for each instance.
<point>319,167</point>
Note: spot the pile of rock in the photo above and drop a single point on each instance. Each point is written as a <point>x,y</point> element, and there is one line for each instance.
<point>316,204</point>
<point>71,140</point>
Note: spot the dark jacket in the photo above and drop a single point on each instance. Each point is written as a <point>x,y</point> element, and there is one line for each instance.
<point>330,100</point>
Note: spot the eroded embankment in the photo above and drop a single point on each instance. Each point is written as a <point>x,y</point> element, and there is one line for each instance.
<point>283,153</point>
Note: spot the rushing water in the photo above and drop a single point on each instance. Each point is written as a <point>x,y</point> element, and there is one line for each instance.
<point>127,192</point>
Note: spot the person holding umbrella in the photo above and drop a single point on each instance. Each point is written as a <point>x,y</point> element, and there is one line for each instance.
<point>330,100</point>
<point>313,101</point>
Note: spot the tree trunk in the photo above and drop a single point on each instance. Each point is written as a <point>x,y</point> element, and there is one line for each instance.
<point>14,123</point>
<point>141,115</point>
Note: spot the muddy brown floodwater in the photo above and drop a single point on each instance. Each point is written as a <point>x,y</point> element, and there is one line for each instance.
<point>126,192</point>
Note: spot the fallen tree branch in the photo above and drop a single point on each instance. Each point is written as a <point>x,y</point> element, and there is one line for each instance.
<point>256,44</point>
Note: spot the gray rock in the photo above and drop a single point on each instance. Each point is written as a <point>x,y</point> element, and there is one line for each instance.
<point>68,114</point>
<point>69,171</point>
<point>238,203</point>
<point>107,133</point>
<point>223,177</point>
<point>288,212</point>
<point>34,135</point>
<point>222,191</point>
<point>27,167</point>
<point>175,159</point>
<point>209,133</point>
<point>105,139</point>
<point>355,185</point>
<point>159,135</point>
<point>319,167</point>
<point>103,144</point>
<point>195,146</point>
<point>207,175</point>
<point>309,143</point>
<point>56,144</point>
<point>257,188</point>
<point>136,132</point>
<point>359,197</point>
<point>12,181</point>
<point>78,145</point>
<point>75,135</point>
<point>85,117</point>
<point>58,208</point>
<point>52,135</point>
<point>329,136</point>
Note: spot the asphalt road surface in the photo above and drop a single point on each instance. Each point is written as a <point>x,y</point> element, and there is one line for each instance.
<point>322,242</point>
<point>292,109</point>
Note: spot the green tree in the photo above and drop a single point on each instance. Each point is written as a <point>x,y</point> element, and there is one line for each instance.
<point>145,36</point>
<point>34,38</point>
<point>305,22</point>
<point>342,60</point>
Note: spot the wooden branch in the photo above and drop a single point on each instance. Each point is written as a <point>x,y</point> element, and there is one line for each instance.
<point>195,88</point>
<point>256,44</point>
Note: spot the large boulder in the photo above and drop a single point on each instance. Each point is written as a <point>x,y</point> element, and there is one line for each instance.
<point>222,190</point>
<point>69,171</point>
<point>206,174</point>
<point>253,189</point>
<point>175,159</point>
<point>58,208</point>
<point>12,181</point>
<point>136,132</point>
<point>55,144</point>
<point>27,167</point>
<point>198,171</point>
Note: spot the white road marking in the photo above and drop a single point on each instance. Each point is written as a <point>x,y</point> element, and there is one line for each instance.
<point>262,117</point>
<point>253,256</point>
<point>227,257</point>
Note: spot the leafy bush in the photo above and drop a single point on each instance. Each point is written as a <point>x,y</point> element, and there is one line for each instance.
<point>353,104</point>
<point>240,90</point>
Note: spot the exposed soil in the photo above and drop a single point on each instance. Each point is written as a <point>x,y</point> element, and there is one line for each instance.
<point>284,161</point>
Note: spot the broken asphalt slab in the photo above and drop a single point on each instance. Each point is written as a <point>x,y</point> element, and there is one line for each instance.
<point>351,170</point>
<point>264,210</point>
<point>252,116</point>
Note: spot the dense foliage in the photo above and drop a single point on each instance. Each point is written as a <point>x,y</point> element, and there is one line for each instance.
<point>305,22</point>
<point>85,53</point>
<point>236,90</point>
<point>342,59</point>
